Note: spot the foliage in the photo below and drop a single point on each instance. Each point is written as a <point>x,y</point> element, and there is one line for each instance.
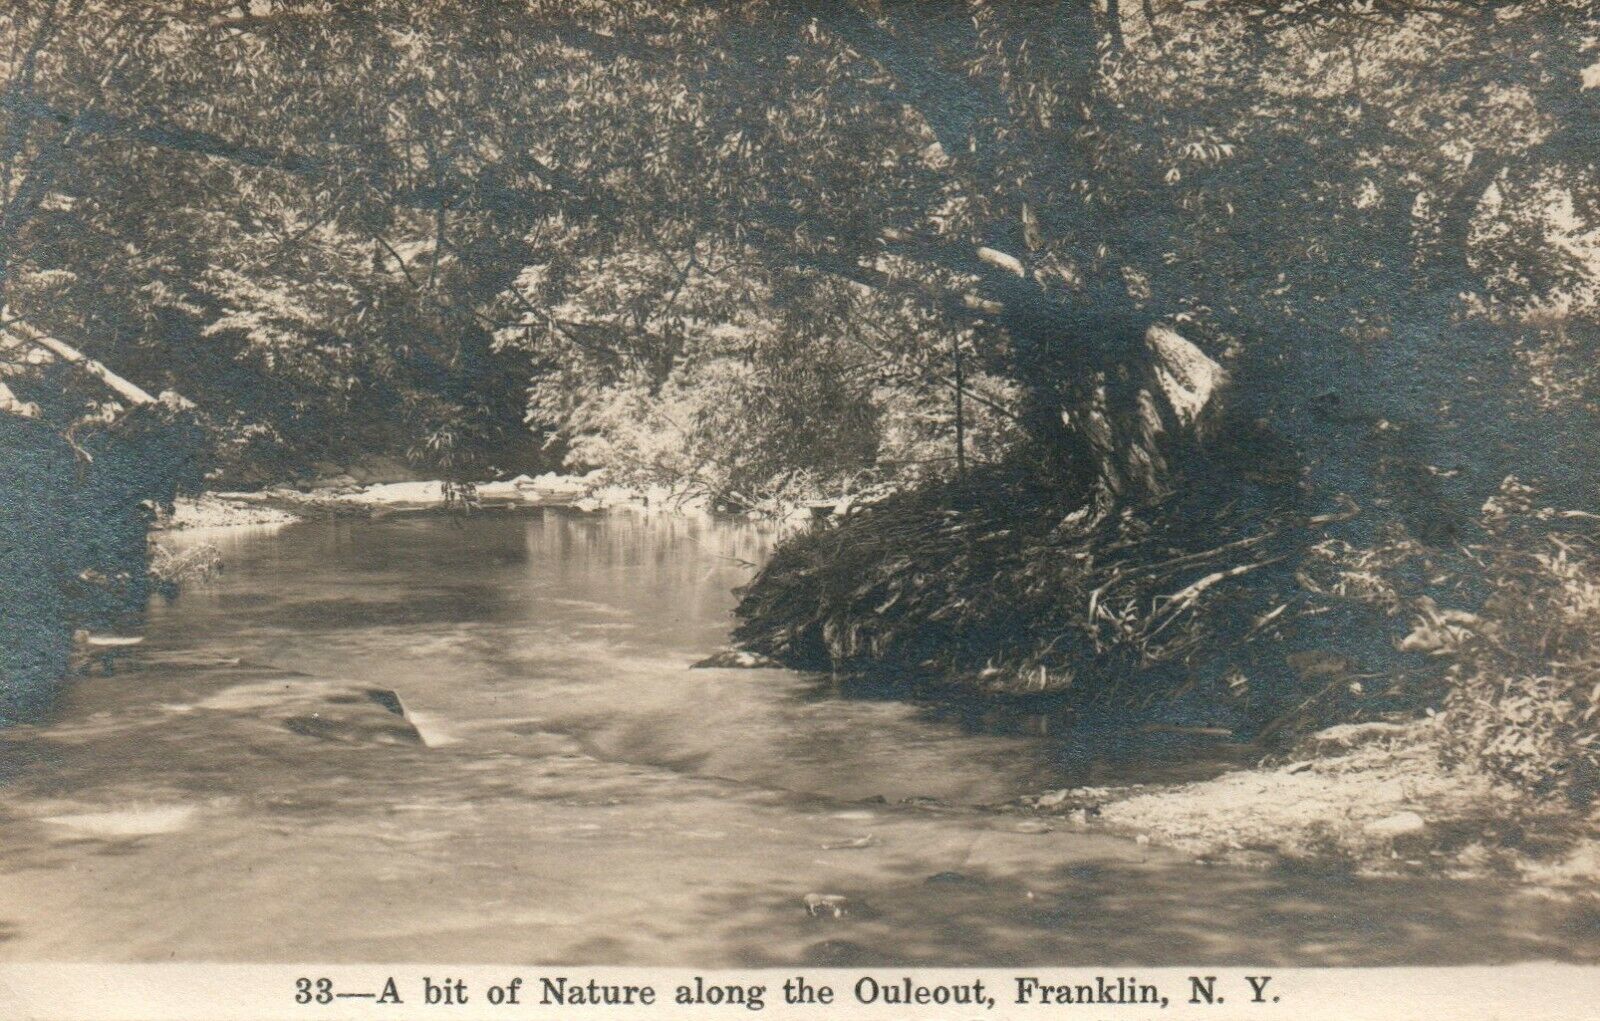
<point>812,392</point>
<point>235,215</point>
<point>1525,694</point>
<point>75,511</point>
<point>1223,603</point>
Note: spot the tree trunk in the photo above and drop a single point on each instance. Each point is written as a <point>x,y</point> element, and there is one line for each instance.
<point>961,424</point>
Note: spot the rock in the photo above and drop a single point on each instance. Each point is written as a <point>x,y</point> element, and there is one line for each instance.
<point>387,698</point>
<point>1400,824</point>
<point>1031,826</point>
<point>951,879</point>
<point>383,697</point>
<point>349,717</point>
<point>1054,798</point>
<point>735,659</point>
<point>353,731</point>
<point>401,496</point>
<point>828,905</point>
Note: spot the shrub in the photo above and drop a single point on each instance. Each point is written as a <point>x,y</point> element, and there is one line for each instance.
<point>1525,702</point>
<point>1217,605</point>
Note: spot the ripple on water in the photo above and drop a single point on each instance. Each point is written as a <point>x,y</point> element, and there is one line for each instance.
<point>133,821</point>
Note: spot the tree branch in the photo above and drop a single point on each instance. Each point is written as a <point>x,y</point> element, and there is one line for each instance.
<point>67,353</point>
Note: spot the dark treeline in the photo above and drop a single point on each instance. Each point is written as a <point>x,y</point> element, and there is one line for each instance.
<point>1231,356</point>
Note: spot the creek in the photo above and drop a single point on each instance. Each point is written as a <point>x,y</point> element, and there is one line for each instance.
<point>239,788</point>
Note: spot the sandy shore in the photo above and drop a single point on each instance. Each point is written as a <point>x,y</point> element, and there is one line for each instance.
<point>284,504</point>
<point>1375,799</point>
<point>211,510</point>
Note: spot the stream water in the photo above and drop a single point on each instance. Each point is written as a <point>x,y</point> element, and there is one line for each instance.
<point>230,792</point>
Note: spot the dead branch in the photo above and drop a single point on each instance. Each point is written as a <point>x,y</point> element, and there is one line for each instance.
<point>67,353</point>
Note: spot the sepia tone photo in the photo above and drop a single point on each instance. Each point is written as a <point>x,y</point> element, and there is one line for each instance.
<point>803,484</point>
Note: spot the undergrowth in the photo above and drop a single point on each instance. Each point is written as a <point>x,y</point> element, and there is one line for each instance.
<point>1524,698</point>
<point>1234,604</point>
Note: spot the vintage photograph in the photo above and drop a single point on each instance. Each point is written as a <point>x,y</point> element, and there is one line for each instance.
<point>835,484</point>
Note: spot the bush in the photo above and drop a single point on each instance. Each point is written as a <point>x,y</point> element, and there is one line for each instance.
<point>75,510</point>
<point>1224,604</point>
<point>1525,703</point>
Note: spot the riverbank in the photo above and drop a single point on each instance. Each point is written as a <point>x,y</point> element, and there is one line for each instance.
<point>1374,799</point>
<point>345,497</point>
<point>1426,709</point>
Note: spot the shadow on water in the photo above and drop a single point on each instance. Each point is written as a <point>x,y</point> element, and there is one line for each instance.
<point>1080,751</point>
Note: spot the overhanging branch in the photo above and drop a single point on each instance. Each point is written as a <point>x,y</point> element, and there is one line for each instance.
<point>124,388</point>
